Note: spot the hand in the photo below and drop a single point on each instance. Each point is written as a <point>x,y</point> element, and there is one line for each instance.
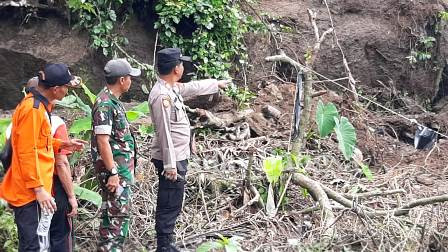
<point>170,174</point>
<point>45,200</point>
<point>73,144</point>
<point>74,204</point>
<point>224,83</point>
<point>113,182</point>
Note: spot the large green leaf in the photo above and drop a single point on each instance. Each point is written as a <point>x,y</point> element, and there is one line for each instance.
<point>81,125</point>
<point>133,115</point>
<point>208,246</point>
<point>73,101</point>
<point>138,111</point>
<point>325,115</point>
<point>68,101</point>
<point>89,195</point>
<point>142,107</point>
<point>92,97</point>
<point>346,135</point>
<point>84,107</point>
<point>273,167</point>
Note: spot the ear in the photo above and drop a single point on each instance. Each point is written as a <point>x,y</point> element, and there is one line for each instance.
<point>122,80</point>
<point>177,69</point>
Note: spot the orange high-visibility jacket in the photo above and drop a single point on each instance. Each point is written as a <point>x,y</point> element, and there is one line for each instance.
<point>33,158</point>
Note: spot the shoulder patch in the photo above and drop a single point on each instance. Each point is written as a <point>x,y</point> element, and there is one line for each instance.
<point>166,101</point>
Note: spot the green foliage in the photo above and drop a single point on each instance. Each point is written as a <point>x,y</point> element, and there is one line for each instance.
<point>427,42</point>
<point>8,231</point>
<point>80,126</point>
<point>421,52</point>
<point>4,123</point>
<point>98,18</point>
<point>242,96</point>
<point>92,96</point>
<point>146,130</point>
<point>325,115</point>
<point>218,39</point>
<point>227,244</point>
<point>273,167</point>
<point>327,120</point>
<point>367,172</point>
<point>346,135</point>
<point>138,111</point>
<point>443,15</point>
<point>74,102</point>
<point>88,195</point>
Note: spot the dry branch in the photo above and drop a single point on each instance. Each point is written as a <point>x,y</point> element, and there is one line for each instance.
<point>373,194</point>
<point>316,190</point>
<point>420,202</point>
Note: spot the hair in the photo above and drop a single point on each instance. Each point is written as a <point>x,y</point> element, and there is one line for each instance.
<point>165,69</point>
<point>112,79</point>
<point>43,85</point>
<point>40,77</point>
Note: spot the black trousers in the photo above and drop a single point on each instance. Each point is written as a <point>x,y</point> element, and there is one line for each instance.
<point>60,239</point>
<point>27,220</point>
<point>169,198</point>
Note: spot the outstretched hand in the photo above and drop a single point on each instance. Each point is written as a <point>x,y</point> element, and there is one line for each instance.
<point>73,144</point>
<point>224,83</point>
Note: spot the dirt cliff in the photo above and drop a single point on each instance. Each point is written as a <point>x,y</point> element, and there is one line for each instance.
<point>377,37</point>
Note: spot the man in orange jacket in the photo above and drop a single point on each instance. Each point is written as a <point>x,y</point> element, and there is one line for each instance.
<point>27,183</point>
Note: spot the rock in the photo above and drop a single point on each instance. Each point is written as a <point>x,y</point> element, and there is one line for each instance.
<point>274,91</point>
<point>271,112</point>
<point>424,179</point>
<point>258,124</point>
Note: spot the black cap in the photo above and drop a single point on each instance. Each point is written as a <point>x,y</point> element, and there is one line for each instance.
<point>170,55</point>
<point>55,75</point>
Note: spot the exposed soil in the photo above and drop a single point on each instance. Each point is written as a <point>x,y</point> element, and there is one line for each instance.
<point>376,37</point>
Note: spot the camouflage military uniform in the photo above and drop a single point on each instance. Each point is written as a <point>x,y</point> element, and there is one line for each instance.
<point>109,117</point>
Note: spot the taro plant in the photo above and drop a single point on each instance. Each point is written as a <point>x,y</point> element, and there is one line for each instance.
<point>274,166</point>
<point>329,121</point>
<point>223,244</point>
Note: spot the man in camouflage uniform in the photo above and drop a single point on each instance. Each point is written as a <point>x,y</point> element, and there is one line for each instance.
<point>113,154</point>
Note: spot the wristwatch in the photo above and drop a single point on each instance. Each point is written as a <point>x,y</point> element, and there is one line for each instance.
<point>113,171</point>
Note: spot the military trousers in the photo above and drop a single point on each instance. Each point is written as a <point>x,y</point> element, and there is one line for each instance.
<point>115,215</point>
<point>169,198</point>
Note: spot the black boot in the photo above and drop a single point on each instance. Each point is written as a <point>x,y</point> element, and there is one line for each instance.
<point>165,243</point>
